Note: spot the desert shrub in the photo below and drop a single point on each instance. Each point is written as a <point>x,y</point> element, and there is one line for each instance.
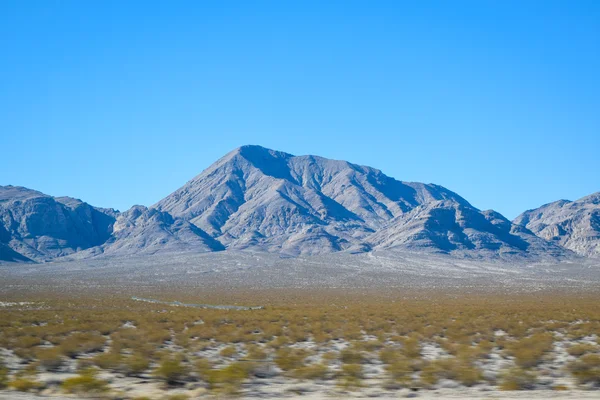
<point>111,360</point>
<point>389,355</point>
<point>411,348</point>
<point>178,397</point>
<point>586,369</point>
<point>202,367</point>
<point>3,376</point>
<point>351,356</point>
<point>228,379</point>
<point>580,349</point>
<point>518,379</point>
<point>24,384</point>
<point>370,345</point>
<point>50,358</point>
<point>399,370</point>
<point>312,372</point>
<point>25,342</point>
<point>81,343</point>
<point>460,370</point>
<point>350,377</point>
<point>288,359</point>
<point>228,351</point>
<point>135,364</point>
<point>528,352</point>
<point>86,382</point>
<point>171,370</point>
<point>255,352</point>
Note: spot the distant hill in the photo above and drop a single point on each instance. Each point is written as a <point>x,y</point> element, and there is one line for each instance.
<point>574,225</point>
<point>264,200</point>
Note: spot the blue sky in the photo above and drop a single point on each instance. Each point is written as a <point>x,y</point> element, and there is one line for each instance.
<point>120,103</point>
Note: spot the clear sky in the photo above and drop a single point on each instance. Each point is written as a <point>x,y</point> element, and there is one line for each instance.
<point>121,102</point>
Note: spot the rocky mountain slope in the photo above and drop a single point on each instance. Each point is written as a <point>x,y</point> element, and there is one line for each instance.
<point>450,227</point>
<point>140,230</point>
<point>256,198</point>
<point>39,227</point>
<point>574,225</point>
<point>263,200</point>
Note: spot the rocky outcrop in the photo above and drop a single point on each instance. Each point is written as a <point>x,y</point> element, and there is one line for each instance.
<point>574,225</point>
<point>40,227</point>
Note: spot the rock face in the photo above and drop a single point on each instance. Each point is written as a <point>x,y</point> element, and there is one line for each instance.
<point>446,226</point>
<point>273,201</point>
<point>140,230</point>
<point>256,198</point>
<point>574,225</point>
<point>39,227</point>
<point>264,200</point>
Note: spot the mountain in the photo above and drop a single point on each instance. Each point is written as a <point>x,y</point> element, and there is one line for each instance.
<point>264,200</point>
<point>140,230</point>
<point>261,199</point>
<point>574,225</point>
<point>273,201</point>
<point>450,227</point>
<point>35,226</point>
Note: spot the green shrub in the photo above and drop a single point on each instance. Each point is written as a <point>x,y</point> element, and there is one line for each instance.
<point>171,370</point>
<point>411,348</point>
<point>586,369</point>
<point>350,376</point>
<point>399,370</point>
<point>518,379</point>
<point>23,384</point>
<point>289,359</point>
<point>109,361</point>
<point>136,364</point>
<point>580,349</point>
<point>51,358</point>
<point>313,371</point>
<point>3,377</point>
<point>528,352</point>
<point>351,356</point>
<point>228,351</point>
<point>86,382</point>
<point>228,379</point>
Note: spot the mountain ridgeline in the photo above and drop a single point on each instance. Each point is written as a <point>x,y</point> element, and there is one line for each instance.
<point>258,199</point>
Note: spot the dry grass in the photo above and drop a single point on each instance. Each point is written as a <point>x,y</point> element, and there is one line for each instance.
<point>170,342</point>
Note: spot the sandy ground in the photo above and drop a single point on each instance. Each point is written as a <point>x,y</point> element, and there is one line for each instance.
<point>437,394</point>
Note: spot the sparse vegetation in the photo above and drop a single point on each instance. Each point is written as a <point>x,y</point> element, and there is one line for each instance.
<point>305,338</point>
<point>85,383</point>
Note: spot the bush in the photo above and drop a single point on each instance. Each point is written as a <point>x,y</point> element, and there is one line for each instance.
<point>135,364</point>
<point>255,353</point>
<point>518,379</point>
<point>3,377</point>
<point>399,370</point>
<point>81,343</point>
<point>86,382</point>
<point>528,352</point>
<point>171,370</point>
<point>288,359</point>
<point>586,369</point>
<point>313,371</point>
<point>228,379</point>
<point>109,361</point>
<point>228,351</point>
<point>23,384</point>
<point>51,359</point>
<point>350,376</point>
<point>460,370</point>
<point>578,350</point>
<point>350,356</point>
<point>411,348</point>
